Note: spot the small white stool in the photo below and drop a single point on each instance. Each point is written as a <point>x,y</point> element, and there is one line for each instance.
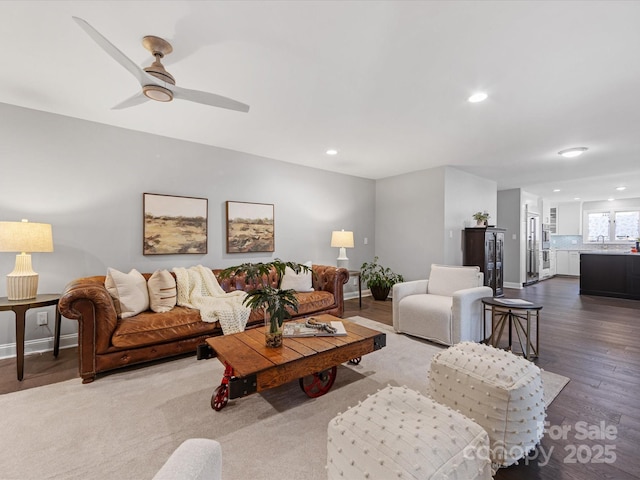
<point>500,391</point>
<point>400,433</point>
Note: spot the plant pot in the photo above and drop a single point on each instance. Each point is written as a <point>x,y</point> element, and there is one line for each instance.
<point>380,293</point>
<point>272,331</point>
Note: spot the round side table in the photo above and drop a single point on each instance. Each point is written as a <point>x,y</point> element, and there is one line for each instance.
<point>517,314</point>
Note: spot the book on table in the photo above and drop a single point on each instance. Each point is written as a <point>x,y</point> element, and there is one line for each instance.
<point>299,329</point>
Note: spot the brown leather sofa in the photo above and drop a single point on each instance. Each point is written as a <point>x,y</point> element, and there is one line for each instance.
<point>106,342</point>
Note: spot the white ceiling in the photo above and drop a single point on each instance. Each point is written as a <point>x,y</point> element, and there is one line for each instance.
<point>384,82</point>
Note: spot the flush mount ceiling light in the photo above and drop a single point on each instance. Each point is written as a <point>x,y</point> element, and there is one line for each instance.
<point>572,152</point>
<point>332,151</point>
<point>477,97</point>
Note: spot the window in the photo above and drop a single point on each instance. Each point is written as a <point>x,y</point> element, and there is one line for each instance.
<point>608,226</point>
<point>598,226</point>
<point>627,225</point>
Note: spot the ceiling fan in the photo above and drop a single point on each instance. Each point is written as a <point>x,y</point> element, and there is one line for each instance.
<point>156,82</point>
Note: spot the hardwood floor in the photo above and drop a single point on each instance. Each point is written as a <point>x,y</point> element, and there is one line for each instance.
<point>592,340</point>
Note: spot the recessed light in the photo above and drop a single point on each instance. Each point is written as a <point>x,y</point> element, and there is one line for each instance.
<point>556,190</point>
<point>332,151</point>
<point>576,198</point>
<point>621,188</point>
<point>611,199</point>
<point>572,152</point>
<point>478,97</point>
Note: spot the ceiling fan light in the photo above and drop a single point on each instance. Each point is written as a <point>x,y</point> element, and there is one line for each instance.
<point>158,93</point>
<point>572,152</point>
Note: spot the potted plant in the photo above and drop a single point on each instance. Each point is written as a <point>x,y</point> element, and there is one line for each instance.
<point>481,218</point>
<point>379,279</point>
<point>274,301</point>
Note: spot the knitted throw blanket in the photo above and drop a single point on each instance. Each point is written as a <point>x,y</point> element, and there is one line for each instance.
<point>198,288</point>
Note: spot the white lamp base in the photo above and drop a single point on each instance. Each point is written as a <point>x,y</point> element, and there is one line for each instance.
<point>343,261</point>
<point>22,283</point>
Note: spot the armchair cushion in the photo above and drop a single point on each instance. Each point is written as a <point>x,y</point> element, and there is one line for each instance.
<point>445,279</point>
<point>414,308</point>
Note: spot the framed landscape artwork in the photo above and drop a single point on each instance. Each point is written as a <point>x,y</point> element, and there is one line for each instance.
<point>250,227</point>
<point>174,224</point>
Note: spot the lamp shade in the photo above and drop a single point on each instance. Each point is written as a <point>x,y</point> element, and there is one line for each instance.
<point>25,237</point>
<point>342,239</point>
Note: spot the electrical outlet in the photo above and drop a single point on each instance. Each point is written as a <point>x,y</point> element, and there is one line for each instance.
<point>42,319</point>
<point>354,282</point>
<point>366,241</point>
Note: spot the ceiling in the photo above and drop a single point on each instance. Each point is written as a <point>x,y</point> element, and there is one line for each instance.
<point>385,82</point>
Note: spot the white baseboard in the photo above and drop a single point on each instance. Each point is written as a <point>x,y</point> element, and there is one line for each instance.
<point>350,295</point>
<point>517,286</point>
<point>38,346</point>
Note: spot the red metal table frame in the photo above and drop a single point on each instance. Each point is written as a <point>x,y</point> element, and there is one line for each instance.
<point>251,367</point>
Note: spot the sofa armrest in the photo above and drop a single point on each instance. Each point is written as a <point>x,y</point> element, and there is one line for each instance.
<point>331,279</point>
<point>402,290</point>
<point>88,301</point>
<point>467,307</point>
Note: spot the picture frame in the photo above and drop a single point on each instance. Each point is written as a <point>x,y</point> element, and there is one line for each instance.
<point>250,227</point>
<point>174,225</point>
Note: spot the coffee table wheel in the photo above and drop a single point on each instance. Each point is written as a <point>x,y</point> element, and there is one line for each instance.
<point>355,361</point>
<point>220,397</point>
<point>319,383</point>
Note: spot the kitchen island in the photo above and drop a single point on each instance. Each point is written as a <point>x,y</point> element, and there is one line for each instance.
<point>610,274</point>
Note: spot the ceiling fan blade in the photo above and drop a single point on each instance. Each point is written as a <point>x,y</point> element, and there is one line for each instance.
<point>114,52</point>
<point>208,99</point>
<point>132,101</point>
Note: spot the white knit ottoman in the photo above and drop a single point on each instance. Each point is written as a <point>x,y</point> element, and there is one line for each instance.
<point>498,390</point>
<point>400,433</point>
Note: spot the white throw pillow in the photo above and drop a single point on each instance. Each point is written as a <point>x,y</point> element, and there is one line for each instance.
<point>129,291</point>
<point>162,291</point>
<point>300,282</point>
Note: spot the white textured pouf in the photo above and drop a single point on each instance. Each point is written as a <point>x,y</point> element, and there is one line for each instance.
<point>400,433</point>
<point>498,390</point>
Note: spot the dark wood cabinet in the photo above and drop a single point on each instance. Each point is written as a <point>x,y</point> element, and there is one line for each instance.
<point>610,275</point>
<point>483,246</point>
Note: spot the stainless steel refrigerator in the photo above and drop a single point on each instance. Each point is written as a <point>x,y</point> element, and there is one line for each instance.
<point>533,247</point>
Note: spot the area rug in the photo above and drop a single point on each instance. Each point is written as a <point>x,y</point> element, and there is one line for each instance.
<point>125,425</point>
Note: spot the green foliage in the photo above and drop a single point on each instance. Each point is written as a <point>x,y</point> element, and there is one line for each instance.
<point>481,216</point>
<point>274,300</point>
<point>375,275</point>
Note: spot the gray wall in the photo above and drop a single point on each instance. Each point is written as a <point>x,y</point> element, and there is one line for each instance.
<point>509,214</point>
<point>87,180</point>
<point>420,217</point>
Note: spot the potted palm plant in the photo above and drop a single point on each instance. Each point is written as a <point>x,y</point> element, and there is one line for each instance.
<point>274,301</point>
<point>379,279</point>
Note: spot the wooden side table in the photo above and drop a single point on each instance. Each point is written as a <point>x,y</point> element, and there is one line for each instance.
<point>356,273</point>
<point>20,307</point>
<point>517,314</point>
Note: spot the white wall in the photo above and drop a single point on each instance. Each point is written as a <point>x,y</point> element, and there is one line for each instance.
<point>87,180</point>
<point>465,194</point>
<point>420,217</point>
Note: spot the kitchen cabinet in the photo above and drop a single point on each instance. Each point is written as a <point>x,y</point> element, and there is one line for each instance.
<point>569,218</point>
<point>567,262</point>
<point>483,247</point>
<point>553,269</point>
<point>610,275</point>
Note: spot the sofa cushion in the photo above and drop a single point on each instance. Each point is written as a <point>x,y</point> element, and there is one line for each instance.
<point>313,302</point>
<point>300,282</point>
<point>162,291</point>
<point>446,279</point>
<point>149,328</point>
<point>128,290</point>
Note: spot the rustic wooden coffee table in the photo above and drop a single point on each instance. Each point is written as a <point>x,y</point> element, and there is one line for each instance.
<point>252,367</point>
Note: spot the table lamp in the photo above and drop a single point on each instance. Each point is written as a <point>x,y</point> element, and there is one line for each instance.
<point>24,237</point>
<point>342,240</point>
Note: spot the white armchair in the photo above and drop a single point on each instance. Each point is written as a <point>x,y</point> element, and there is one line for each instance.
<point>446,308</point>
